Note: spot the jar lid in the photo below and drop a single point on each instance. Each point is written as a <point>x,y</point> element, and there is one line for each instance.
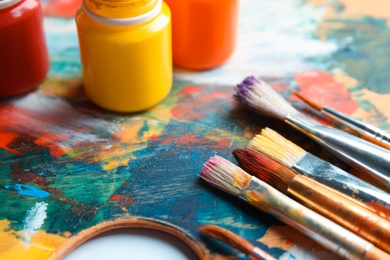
<point>7,3</point>
<point>120,8</point>
<point>125,21</point>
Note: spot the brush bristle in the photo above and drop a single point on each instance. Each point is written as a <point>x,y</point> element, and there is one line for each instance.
<point>264,168</point>
<point>276,147</point>
<point>227,237</point>
<point>224,175</point>
<point>262,98</point>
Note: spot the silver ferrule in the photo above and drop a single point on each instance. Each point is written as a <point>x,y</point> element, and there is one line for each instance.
<point>360,154</point>
<point>358,125</point>
<point>338,179</point>
<point>259,254</point>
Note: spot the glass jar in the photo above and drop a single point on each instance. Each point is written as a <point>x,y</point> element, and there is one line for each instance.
<point>126,55</point>
<point>24,59</point>
<point>203,32</point>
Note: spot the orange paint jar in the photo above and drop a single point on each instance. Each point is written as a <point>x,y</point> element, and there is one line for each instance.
<point>203,32</point>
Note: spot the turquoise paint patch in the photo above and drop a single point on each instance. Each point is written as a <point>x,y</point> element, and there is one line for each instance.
<point>26,190</point>
<point>62,44</point>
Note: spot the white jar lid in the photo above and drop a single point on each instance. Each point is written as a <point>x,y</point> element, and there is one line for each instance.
<point>7,3</point>
<point>125,21</point>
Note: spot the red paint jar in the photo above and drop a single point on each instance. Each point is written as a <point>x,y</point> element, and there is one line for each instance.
<point>24,60</point>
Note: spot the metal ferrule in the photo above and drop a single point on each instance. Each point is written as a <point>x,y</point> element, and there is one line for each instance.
<point>258,254</point>
<point>358,125</point>
<point>334,177</point>
<point>343,211</point>
<point>322,230</point>
<point>360,154</point>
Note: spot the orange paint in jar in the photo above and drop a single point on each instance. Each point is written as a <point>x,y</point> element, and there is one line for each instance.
<point>203,32</point>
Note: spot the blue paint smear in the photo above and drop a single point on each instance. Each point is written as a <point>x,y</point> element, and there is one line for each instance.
<point>26,190</point>
<point>133,205</point>
<point>63,48</point>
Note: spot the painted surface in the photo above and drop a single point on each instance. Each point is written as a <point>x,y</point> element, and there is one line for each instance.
<point>66,165</point>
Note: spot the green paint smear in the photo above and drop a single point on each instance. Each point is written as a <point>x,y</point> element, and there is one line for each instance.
<point>364,55</point>
<point>367,56</point>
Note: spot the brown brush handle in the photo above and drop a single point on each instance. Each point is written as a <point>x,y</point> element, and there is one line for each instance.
<point>376,141</point>
<point>376,254</point>
<point>343,211</point>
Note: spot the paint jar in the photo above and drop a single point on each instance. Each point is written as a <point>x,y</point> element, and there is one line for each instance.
<point>203,32</point>
<point>24,60</point>
<point>126,54</point>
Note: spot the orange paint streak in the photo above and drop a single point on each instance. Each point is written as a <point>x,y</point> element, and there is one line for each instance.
<point>129,132</point>
<point>189,140</point>
<point>224,143</point>
<point>6,139</point>
<point>185,140</point>
<point>216,96</point>
<point>324,89</point>
<point>115,197</point>
<point>380,101</point>
<point>200,103</point>
<point>40,128</point>
<point>41,246</point>
<point>285,238</point>
<point>48,142</point>
<point>253,196</point>
<point>186,113</point>
<point>190,90</point>
<point>123,200</point>
<point>62,8</point>
<point>278,88</point>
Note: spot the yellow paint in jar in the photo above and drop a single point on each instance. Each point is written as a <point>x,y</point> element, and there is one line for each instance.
<point>126,62</point>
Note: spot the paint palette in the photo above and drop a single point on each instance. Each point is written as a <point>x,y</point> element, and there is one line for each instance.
<point>69,169</point>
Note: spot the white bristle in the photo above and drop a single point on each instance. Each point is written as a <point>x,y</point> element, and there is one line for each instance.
<point>276,147</point>
<point>224,175</point>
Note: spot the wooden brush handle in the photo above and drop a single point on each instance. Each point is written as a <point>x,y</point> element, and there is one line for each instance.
<point>376,254</point>
<point>345,212</point>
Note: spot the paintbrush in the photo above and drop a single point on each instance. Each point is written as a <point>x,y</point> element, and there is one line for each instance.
<point>367,131</point>
<point>278,148</point>
<point>317,197</point>
<point>231,179</point>
<point>235,241</point>
<point>360,154</point>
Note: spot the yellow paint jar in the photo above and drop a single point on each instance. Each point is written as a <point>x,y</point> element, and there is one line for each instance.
<point>126,62</point>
